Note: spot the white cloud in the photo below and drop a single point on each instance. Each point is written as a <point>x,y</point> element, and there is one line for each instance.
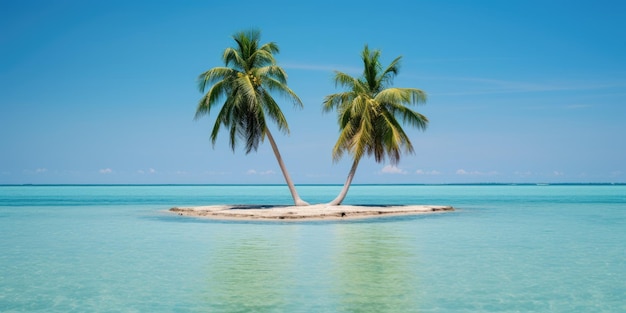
<point>255,172</point>
<point>214,173</point>
<point>106,171</point>
<point>391,169</point>
<point>149,171</point>
<point>475,173</point>
<point>523,174</point>
<point>422,172</point>
<point>557,173</point>
<point>41,170</point>
<point>495,86</point>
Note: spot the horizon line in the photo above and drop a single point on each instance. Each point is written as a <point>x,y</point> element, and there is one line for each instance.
<point>330,184</point>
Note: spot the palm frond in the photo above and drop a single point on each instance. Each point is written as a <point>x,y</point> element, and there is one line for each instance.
<point>252,128</point>
<point>418,96</point>
<point>223,118</point>
<point>278,87</point>
<point>390,72</point>
<point>344,80</point>
<point>403,96</point>
<point>214,75</point>
<point>393,95</point>
<point>395,138</point>
<point>246,83</point>
<point>274,112</point>
<point>369,115</point>
<point>371,68</point>
<point>335,100</point>
<point>270,47</point>
<point>232,136</point>
<point>412,118</point>
<point>244,86</point>
<point>343,143</point>
<point>361,141</point>
<point>211,98</point>
<point>274,72</point>
<point>232,57</point>
<point>261,58</point>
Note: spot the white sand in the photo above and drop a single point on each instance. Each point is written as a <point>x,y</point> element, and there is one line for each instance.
<point>312,212</point>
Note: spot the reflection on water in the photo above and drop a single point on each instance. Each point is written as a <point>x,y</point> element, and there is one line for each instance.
<point>508,249</point>
<point>373,271</point>
<point>250,272</point>
<point>341,268</point>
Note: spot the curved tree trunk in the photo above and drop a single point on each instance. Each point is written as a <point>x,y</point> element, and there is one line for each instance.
<point>296,198</point>
<point>346,186</point>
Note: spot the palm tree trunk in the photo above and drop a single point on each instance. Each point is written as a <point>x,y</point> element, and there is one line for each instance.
<point>346,186</point>
<point>296,198</point>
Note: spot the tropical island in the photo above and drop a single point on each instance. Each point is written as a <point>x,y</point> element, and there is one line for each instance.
<point>370,114</point>
<point>311,212</point>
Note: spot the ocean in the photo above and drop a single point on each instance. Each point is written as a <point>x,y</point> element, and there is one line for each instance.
<point>507,248</point>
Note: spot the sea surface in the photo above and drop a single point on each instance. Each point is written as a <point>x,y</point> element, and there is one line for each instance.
<point>525,248</point>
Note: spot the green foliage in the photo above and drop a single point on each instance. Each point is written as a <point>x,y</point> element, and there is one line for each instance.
<point>370,111</point>
<point>243,88</point>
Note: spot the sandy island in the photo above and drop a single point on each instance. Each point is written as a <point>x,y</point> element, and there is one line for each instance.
<point>312,212</point>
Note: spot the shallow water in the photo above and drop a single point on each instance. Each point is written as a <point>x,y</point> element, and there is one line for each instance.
<point>507,249</point>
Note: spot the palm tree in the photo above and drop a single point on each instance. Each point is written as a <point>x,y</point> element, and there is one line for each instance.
<point>245,82</point>
<point>369,113</point>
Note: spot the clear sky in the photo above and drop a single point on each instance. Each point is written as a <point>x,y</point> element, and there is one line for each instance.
<point>519,91</point>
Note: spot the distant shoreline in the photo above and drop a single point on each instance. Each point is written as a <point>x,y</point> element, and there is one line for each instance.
<point>391,184</point>
<point>303,213</point>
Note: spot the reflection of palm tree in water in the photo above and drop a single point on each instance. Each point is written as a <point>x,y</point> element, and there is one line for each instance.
<point>374,271</point>
<point>250,273</point>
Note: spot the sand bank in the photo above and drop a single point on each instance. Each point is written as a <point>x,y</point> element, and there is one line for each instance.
<point>312,212</point>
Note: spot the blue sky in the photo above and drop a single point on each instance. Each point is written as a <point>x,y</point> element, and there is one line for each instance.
<point>519,91</point>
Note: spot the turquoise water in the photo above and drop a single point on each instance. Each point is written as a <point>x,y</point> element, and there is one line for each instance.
<point>507,249</point>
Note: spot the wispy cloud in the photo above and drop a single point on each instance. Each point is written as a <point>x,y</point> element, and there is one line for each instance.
<point>391,169</point>
<point>214,173</point>
<point>106,171</point>
<point>37,171</point>
<point>422,172</point>
<point>524,173</point>
<point>149,171</point>
<point>476,173</point>
<point>482,86</point>
<point>318,175</point>
<point>255,172</point>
